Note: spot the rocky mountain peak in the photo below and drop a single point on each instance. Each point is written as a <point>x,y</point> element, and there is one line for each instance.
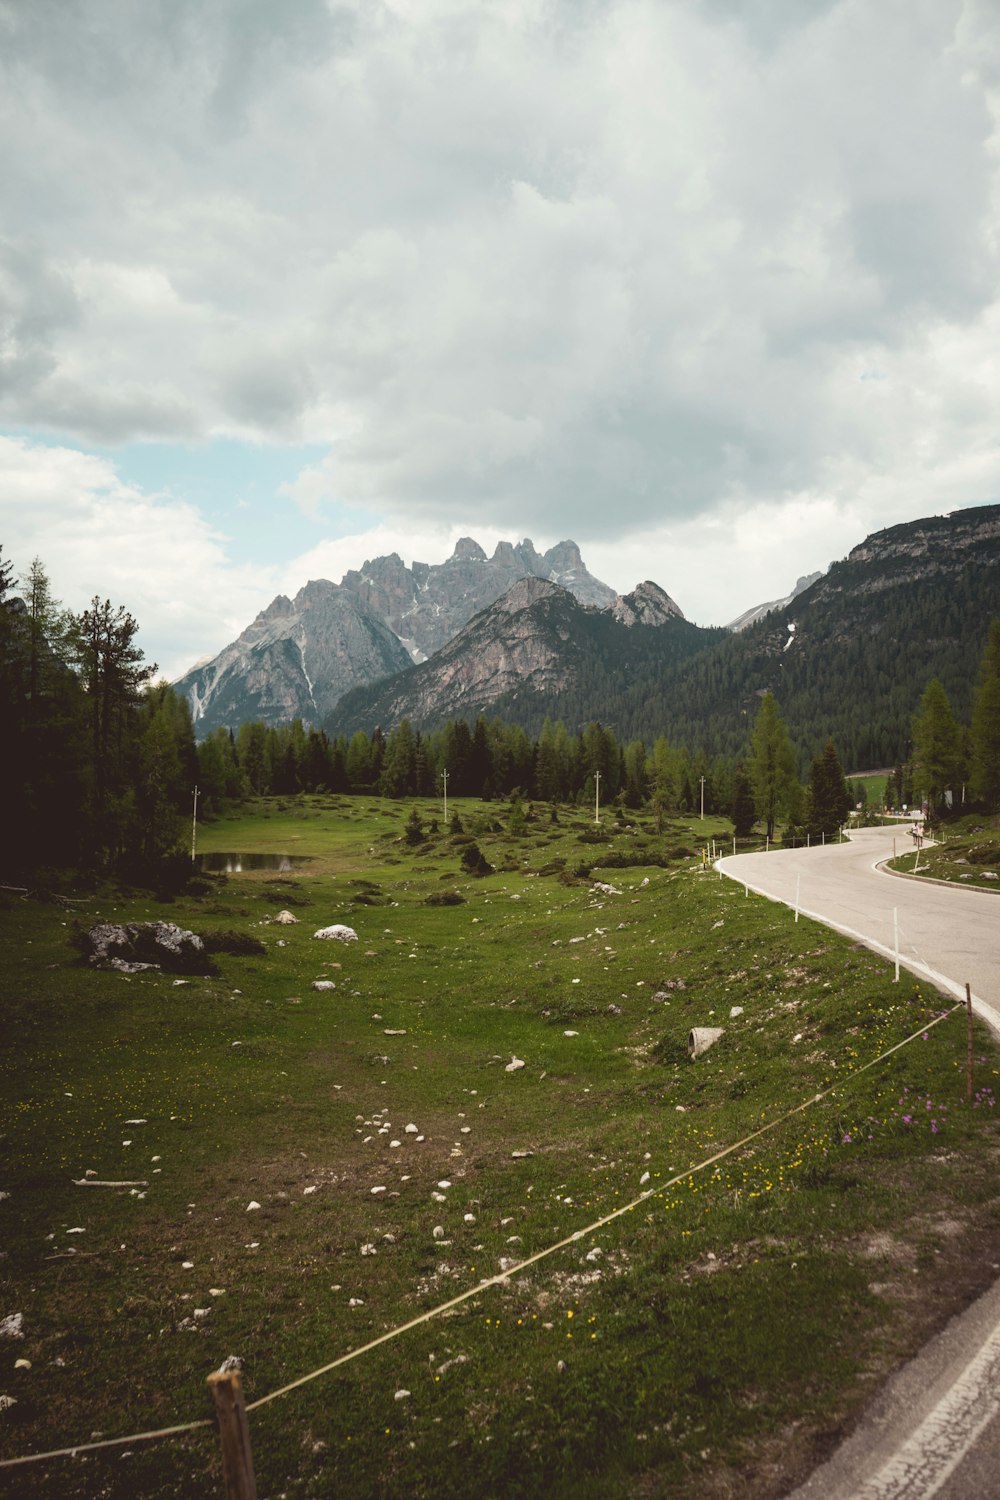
<point>467,550</point>
<point>525,592</point>
<point>647,604</point>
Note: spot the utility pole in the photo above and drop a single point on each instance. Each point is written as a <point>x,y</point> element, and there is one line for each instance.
<point>194,824</point>
<point>444,779</point>
<point>597,796</point>
<point>702,779</point>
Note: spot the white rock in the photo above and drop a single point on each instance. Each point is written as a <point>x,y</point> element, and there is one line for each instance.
<point>12,1327</point>
<point>571,1033</point>
<point>6,1402</point>
<point>338,932</point>
<point>411,1130</point>
<point>285,918</point>
<point>368,1250</point>
<point>736,1010</point>
<point>514,1064</point>
<point>355,1302</point>
<point>394,1144</point>
<point>22,1364</point>
<point>76,1231</point>
<point>323,984</point>
<point>216,1291</point>
<point>307,1190</point>
<point>375,1190</point>
<point>438,1232</point>
<point>469,1218</point>
<point>202,1312</point>
<point>643,1179</point>
<point>439,1197</point>
<point>252,1205</point>
<point>400,1395</point>
<point>187,1265</point>
<point>444,1183</point>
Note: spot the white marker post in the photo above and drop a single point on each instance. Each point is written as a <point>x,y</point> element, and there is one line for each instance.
<point>895,940</point>
<point>597,796</point>
<point>194,824</point>
<point>798,882</point>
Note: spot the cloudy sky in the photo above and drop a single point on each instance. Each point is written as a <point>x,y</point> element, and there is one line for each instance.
<point>710,286</point>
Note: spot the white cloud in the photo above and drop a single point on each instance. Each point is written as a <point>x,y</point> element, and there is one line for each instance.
<point>528,266</point>
<point>157,556</point>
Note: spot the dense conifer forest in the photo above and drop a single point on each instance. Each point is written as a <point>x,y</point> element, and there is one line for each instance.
<point>103,761</point>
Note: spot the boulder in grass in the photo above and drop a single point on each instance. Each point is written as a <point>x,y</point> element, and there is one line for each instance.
<point>285,918</point>
<point>338,932</point>
<point>161,945</point>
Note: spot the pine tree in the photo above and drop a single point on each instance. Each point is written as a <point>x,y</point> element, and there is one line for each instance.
<point>829,801</point>
<point>936,746</point>
<point>744,810</point>
<point>986,723</point>
<point>772,764</point>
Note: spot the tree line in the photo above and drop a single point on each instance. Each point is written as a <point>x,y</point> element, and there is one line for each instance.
<point>102,759</point>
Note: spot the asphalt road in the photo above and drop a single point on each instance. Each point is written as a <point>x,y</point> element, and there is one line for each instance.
<point>947,934</point>
<point>934,1429</point>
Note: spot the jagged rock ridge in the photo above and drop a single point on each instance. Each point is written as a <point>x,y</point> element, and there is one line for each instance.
<point>533,651</point>
<point>299,657</point>
<point>758,611</point>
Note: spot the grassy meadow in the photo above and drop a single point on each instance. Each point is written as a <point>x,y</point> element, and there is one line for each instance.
<point>713,1340</point>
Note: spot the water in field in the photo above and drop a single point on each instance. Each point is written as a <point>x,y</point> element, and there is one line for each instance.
<point>235,864</point>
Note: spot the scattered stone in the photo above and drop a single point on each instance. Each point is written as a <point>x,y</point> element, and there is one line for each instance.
<point>12,1326</point>
<point>393,1033</point>
<point>216,1291</point>
<point>6,1402</point>
<point>605,889</point>
<point>129,945</point>
<point>338,932</point>
<point>700,1038</point>
<point>285,918</point>
<point>400,1395</point>
<point>368,1250</point>
<point>411,1130</point>
<point>736,1010</point>
<point>438,1232</point>
<point>253,1204</point>
<point>375,1190</point>
<point>444,1183</point>
<point>571,1033</point>
<point>520,1156</point>
<point>307,1190</point>
<point>323,984</point>
<point>22,1364</point>
<point>643,1179</point>
<point>514,1064</point>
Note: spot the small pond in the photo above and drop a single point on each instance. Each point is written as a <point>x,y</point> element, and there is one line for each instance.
<point>235,864</point>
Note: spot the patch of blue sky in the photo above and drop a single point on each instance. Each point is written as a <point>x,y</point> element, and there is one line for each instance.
<point>236,486</point>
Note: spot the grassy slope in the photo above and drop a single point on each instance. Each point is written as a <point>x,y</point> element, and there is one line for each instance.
<point>718,1340</point>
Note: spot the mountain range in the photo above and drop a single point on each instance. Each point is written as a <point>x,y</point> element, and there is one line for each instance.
<point>300,656</point>
<point>525,637</point>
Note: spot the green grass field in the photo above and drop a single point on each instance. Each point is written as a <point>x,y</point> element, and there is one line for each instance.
<point>711,1340</point>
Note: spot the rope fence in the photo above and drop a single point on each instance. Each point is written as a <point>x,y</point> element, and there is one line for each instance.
<point>237,1441</point>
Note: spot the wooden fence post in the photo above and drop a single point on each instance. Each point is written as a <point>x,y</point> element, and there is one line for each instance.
<point>237,1459</point>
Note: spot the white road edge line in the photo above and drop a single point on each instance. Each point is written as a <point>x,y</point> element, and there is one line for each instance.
<point>906,1473</point>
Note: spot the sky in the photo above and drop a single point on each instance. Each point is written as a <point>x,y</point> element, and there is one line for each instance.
<point>708,286</point>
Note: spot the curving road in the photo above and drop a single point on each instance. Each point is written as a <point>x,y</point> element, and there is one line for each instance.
<point>934,1430</point>
<point>946,934</point>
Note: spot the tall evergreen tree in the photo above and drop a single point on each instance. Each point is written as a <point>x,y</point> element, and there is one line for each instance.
<point>936,746</point>
<point>986,723</point>
<point>828,798</point>
<point>744,810</point>
<point>772,764</point>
